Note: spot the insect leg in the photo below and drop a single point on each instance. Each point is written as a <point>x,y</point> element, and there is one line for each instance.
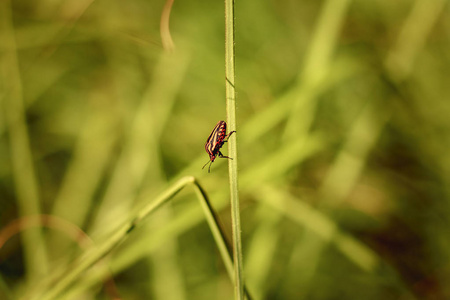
<point>223,156</point>
<point>225,139</point>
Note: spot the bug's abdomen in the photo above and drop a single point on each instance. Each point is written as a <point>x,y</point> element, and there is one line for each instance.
<point>215,139</point>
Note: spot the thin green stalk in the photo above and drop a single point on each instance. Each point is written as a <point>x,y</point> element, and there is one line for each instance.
<point>230,93</point>
<point>217,232</point>
<point>58,283</point>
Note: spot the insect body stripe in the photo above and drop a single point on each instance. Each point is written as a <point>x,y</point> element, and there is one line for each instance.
<point>215,141</point>
<point>216,137</point>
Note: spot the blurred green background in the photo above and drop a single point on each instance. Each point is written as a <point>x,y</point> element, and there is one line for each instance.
<point>343,137</point>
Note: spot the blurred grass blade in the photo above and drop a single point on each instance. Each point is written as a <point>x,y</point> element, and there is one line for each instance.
<point>317,63</point>
<point>412,37</point>
<point>57,284</point>
<point>74,199</point>
<point>24,175</point>
<point>322,226</point>
<point>352,158</point>
<point>329,233</point>
<point>166,37</point>
<point>149,120</point>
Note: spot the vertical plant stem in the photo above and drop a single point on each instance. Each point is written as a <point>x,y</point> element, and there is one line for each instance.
<point>232,164</point>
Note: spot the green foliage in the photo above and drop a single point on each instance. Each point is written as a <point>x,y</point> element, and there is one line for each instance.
<point>342,133</point>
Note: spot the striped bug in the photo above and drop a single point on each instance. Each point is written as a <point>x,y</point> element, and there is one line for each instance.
<point>215,141</point>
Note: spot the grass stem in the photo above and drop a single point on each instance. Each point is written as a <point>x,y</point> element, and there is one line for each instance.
<point>230,92</point>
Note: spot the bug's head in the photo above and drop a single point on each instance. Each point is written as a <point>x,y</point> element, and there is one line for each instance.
<point>212,158</point>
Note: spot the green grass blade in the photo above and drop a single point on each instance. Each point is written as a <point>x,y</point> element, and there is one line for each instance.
<point>232,148</point>
<point>22,164</point>
<point>58,283</point>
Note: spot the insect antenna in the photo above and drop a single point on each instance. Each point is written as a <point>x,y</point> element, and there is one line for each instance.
<point>209,169</point>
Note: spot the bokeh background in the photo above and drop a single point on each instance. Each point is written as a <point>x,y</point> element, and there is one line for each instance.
<point>343,137</point>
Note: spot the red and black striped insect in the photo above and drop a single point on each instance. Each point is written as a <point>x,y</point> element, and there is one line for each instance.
<point>215,141</point>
